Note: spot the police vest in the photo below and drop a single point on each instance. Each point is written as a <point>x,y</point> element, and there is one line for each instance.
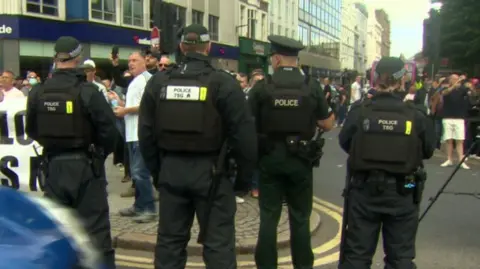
<point>386,139</point>
<point>61,120</point>
<point>287,111</point>
<point>186,116</point>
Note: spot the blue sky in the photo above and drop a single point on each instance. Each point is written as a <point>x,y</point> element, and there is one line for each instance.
<point>406,18</point>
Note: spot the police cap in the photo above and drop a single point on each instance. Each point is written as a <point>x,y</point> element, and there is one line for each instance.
<point>285,46</point>
<point>391,65</point>
<point>67,48</point>
<point>195,34</point>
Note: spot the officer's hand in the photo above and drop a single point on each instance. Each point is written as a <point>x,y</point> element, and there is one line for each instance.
<point>120,111</point>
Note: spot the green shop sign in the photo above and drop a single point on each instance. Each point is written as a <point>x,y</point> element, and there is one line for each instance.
<point>253,47</point>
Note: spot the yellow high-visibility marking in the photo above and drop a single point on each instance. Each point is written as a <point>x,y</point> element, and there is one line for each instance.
<point>203,93</point>
<point>69,107</point>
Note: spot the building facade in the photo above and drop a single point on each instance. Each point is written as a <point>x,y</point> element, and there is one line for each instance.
<point>98,25</point>
<point>384,21</point>
<point>347,40</point>
<point>224,51</point>
<point>251,28</point>
<point>283,18</point>
<point>374,39</point>
<point>319,29</point>
<point>360,38</point>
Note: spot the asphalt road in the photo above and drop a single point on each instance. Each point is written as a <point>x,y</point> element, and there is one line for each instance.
<point>447,237</point>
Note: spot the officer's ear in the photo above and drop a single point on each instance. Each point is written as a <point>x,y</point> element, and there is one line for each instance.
<point>209,46</point>
<point>182,48</point>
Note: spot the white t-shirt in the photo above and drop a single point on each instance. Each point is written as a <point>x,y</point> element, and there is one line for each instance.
<point>357,88</point>
<point>133,98</point>
<point>13,93</point>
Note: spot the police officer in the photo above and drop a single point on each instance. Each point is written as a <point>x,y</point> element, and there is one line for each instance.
<point>287,108</point>
<point>386,140</point>
<point>70,118</point>
<point>186,114</point>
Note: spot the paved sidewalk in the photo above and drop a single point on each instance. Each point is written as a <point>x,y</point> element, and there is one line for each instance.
<point>130,235</point>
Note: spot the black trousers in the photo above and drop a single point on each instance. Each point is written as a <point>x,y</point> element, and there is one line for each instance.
<point>393,215</point>
<point>71,182</point>
<point>184,184</point>
<point>119,153</point>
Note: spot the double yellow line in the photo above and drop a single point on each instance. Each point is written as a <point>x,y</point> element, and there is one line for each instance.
<point>329,209</point>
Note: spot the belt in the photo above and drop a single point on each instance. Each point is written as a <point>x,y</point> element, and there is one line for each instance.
<point>69,156</point>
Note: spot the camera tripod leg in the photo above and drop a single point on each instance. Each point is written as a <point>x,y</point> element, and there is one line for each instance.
<point>434,198</point>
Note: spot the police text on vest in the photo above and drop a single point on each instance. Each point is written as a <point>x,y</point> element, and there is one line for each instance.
<point>286,102</point>
<point>186,93</point>
<point>388,125</point>
<point>51,106</point>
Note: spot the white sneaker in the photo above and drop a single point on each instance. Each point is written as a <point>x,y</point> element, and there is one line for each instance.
<point>473,156</point>
<point>447,163</point>
<point>465,166</point>
<point>239,200</point>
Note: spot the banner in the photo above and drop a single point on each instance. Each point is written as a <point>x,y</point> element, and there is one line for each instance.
<point>18,161</point>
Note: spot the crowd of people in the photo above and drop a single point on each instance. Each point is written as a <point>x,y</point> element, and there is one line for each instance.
<point>453,103</point>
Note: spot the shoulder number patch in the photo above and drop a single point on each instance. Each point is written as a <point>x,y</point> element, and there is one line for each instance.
<point>186,93</point>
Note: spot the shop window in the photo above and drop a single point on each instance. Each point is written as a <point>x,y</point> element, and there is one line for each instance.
<point>43,7</point>
<point>133,13</point>
<point>104,10</point>
<point>197,17</point>
<point>213,27</point>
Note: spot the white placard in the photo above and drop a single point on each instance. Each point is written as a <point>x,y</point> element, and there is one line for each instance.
<point>18,161</point>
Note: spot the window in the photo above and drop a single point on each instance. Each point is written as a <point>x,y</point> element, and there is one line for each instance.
<point>181,14</point>
<point>252,23</point>
<point>213,27</point>
<point>279,30</point>
<point>242,15</point>
<point>197,17</point>
<point>271,28</point>
<point>104,10</point>
<point>264,25</point>
<point>43,7</point>
<point>133,13</point>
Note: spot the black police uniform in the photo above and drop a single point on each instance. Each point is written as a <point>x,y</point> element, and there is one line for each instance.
<point>67,115</point>
<point>286,108</point>
<point>186,114</point>
<point>386,140</point>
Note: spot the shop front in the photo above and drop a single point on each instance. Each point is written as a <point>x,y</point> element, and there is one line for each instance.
<point>224,56</point>
<point>27,43</point>
<point>320,66</point>
<point>253,55</point>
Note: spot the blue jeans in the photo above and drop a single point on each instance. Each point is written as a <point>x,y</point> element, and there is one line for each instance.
<point>143,186</point>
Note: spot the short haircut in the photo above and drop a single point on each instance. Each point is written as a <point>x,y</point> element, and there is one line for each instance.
<point>242,75</point>
<point>10,73</point>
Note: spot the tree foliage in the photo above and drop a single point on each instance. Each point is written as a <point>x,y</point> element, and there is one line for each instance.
<point>460,32</point>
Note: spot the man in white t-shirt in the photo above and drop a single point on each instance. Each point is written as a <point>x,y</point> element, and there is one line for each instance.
<point>356,90</point>
<point>6,85</point>
<point>143,209</point>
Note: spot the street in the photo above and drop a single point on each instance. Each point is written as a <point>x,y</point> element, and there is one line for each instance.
<point>447,237</point>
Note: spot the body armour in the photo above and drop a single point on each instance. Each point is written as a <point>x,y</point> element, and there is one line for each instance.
<point>61,121</point>
<point>187,119</point>
<point>287,111</point>
<point>386,139</point>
